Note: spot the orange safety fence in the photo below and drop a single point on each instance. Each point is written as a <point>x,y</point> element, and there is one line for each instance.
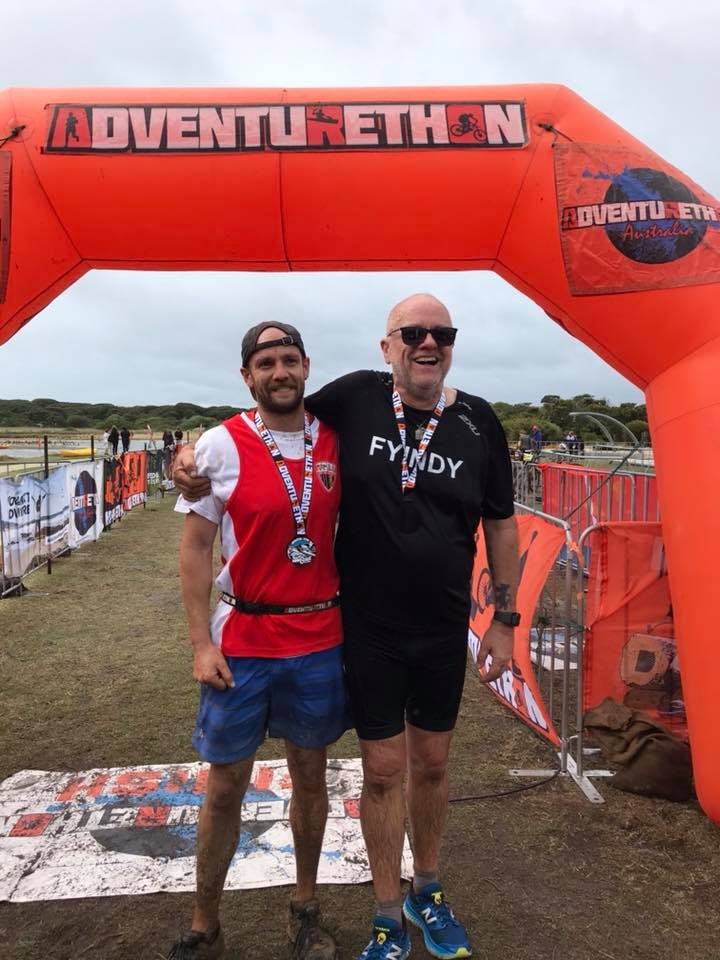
<point>585,496</point>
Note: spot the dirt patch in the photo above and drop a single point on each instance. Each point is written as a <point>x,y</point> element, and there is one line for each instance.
<point>94,671</point>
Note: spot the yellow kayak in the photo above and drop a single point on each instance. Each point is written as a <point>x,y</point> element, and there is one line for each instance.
<point>82,452</point>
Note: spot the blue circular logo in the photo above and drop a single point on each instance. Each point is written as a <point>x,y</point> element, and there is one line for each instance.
<point>660,219</point>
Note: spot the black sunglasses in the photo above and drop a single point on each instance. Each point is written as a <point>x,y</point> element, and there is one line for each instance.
<point>412,336</point>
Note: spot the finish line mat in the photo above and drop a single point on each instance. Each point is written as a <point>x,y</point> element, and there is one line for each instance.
<point>132,830</point>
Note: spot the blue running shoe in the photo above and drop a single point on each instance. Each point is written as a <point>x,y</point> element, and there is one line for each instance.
<point>390,941</point>
<point>444,936</point>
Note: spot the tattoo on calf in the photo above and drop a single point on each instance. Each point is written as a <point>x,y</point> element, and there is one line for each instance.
<point>502,596</point>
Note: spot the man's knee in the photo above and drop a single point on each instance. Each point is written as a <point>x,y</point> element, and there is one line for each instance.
<point>428,756</point>
<point>227,784</point>
<point>428,769</point>
<point>307,770</point>
<point>383,766</point>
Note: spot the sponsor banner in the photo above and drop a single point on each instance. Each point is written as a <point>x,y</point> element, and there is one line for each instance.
<point>630,221</point>
<point>154,475</point>
<point>112,491</point>
<point>132,830</point>
<point>133,480</point>
<point>539,544</point>
<point>630,653</point>
<point>34,517</point>
<point>77,128</point>
<point>84,485</point>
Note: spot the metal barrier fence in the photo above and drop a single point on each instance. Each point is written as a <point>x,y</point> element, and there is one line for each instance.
<point>556,650</point>
<point>587,496</point>
<point>41,538</point>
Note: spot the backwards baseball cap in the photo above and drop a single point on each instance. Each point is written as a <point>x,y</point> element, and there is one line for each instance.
<point>250,343</point>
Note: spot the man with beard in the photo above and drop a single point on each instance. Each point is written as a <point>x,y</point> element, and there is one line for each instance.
<point>422,465</point>
<point>270,660</point>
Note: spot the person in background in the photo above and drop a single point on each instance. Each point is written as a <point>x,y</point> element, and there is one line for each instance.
<point>178,436</point>
<point>536,439</point>
<point>125,439</point>
<point>113,440</point>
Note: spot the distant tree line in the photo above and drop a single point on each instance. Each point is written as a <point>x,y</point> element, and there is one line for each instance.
<point>99,416</point>
<point>552,415</point>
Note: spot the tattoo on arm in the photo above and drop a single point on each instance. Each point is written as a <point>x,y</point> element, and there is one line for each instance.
<point>502,596</point>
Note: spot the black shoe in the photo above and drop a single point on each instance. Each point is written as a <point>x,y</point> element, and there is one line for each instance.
<point>309,940</point>
<point>198,946</point>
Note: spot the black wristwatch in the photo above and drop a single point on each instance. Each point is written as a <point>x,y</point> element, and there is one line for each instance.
<point>507,618</point>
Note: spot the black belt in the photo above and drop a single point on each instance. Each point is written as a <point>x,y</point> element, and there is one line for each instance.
<point>244,606</point>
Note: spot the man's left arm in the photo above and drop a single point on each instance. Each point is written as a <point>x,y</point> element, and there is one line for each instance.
<point>501,543</point>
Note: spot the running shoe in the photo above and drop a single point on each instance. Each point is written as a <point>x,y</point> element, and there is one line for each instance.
<point>309,940</point>
<point>389,941</point>
<point>444,935</point>
<point>198,946</point>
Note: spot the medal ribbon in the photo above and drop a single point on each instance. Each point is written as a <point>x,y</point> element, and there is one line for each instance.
<point>301,509</point>
<point>409,479</point>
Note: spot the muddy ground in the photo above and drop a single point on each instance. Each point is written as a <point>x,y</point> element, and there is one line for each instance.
<point>94,672</point>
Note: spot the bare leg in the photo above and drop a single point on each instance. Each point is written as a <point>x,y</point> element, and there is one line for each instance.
<point>217,837</point>
<point>382,812</point>
<point>308,814</point>
<point>427,794</point>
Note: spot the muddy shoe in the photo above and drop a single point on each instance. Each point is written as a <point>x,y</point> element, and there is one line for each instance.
<point>309,940</point>
<point>198,946</point>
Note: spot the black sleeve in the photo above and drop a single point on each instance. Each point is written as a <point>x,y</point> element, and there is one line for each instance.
<point>330,402</point>
<point>498,501</point>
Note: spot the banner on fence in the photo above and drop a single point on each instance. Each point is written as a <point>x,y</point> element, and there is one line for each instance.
<point>132,830</point>
<point>154,471</point>
<point>133,480</point>
<point>630,652</point>
<point>540,543</point>
<point>112,491</point>
<point>34,514</point>
<point>84,491</point>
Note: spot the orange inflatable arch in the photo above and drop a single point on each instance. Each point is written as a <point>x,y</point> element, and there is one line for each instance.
<point>618,247</point>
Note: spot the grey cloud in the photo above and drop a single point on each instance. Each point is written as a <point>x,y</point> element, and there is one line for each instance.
<point>134,338</point>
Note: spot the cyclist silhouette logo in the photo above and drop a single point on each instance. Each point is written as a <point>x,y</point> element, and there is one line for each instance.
<point>319,116</point>
<point>468,124</point>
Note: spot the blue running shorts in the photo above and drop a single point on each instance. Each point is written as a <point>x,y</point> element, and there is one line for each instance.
<point>301,699</point>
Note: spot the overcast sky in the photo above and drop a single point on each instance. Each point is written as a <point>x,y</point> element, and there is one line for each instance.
<point>651,65</point>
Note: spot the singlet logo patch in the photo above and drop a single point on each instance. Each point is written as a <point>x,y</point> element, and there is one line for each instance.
<point>326,472</point>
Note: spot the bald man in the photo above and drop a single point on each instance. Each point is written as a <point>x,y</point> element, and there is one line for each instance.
<point>421,466</point>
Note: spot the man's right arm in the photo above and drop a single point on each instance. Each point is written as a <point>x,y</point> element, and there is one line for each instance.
<point>185,476</point>
<point>196,548</point>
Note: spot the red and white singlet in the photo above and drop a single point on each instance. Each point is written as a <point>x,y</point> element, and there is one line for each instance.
<point>250,504</point>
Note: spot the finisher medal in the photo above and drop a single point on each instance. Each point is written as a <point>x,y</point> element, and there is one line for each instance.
<point>301,550</point>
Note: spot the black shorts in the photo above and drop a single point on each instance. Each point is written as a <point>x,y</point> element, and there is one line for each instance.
<point>394,678</point>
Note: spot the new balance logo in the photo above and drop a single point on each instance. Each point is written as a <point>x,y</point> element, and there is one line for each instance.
<point>395,952</point>
<point>428,915</point>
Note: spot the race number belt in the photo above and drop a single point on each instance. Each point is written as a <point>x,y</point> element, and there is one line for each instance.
<point>409,479</point>
<point>301,550</point>
<point>245,606</point>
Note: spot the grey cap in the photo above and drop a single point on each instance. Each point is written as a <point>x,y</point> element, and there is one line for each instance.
<point>250,343</point>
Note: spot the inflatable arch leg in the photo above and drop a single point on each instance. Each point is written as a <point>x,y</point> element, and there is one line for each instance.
<point>684,415</point>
